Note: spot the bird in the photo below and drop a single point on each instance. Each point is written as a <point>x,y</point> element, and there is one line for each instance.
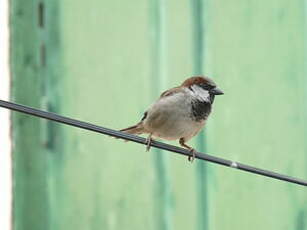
<point>179,113</point>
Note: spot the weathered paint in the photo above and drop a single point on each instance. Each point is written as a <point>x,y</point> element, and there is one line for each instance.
<point>30,206</point>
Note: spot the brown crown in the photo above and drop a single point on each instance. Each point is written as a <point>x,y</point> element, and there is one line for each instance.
<point>196,80</point>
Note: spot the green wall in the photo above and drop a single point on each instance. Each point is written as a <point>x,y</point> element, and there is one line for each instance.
<point>106,61</point>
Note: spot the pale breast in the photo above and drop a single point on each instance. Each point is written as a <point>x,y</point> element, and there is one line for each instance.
<point>171,117</point>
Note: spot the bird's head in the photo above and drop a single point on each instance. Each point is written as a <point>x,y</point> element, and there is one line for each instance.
<point>202,87</point>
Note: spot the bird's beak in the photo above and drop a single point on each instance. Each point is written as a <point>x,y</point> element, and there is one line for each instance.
<point>216,91</point>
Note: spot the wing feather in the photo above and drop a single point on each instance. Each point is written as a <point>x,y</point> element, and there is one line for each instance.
<point>170,92</point>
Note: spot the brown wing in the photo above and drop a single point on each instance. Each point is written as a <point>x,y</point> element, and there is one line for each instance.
<point>170,92</point>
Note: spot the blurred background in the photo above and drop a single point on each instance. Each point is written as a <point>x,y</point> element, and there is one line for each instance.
<point>104,62</point>
<point>5,140</point>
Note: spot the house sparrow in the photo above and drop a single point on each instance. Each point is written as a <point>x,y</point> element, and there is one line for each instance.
<point>179,113</point>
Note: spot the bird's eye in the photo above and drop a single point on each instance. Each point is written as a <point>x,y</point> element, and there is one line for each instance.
<point>206,86</point>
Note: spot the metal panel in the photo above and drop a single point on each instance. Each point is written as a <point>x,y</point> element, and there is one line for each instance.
<point>255,52</point>
<point>105,183</point>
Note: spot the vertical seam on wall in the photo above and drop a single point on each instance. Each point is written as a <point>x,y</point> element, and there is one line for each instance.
<point>201,167</point>
<point>50,24</point>
<point>301,222</point>
<point>304,86</point>
<point>158,81</point>
<point>43,72</point>
<point>301,214</point>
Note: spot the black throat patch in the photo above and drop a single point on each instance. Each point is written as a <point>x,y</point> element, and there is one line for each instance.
<point>200,110</point>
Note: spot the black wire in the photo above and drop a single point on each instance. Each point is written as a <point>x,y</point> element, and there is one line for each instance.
<point>160,145</point>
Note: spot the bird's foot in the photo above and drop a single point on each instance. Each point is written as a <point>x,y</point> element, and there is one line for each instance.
<point>192,151</point>
<point>192,156</point>
<point>148,143</point>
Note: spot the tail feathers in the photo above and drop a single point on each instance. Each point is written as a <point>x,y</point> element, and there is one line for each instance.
<point>135,129</point>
